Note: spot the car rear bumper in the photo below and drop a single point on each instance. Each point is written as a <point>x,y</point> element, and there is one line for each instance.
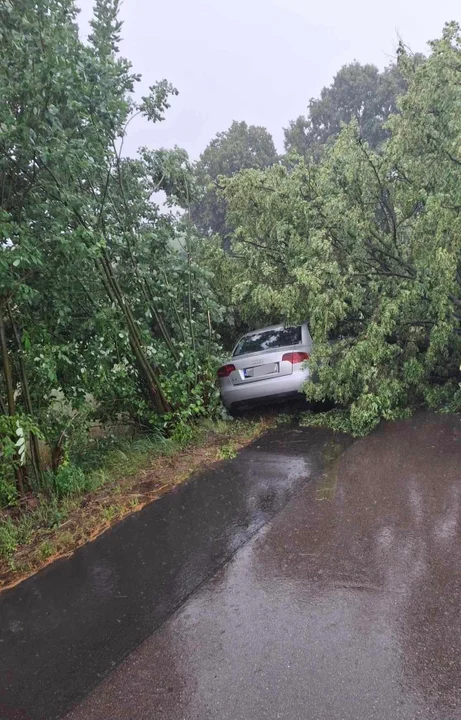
<point>271,388</point>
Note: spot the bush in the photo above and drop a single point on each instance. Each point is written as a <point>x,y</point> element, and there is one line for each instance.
<point>8,538</point>
<point>8,493</point>
<point>68,480</point>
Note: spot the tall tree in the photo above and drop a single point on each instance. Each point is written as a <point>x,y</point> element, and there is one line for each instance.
<point>240,147</point>
<point>87,258</point>
<point>358,92</point>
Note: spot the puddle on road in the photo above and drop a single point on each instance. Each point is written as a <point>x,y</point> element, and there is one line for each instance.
<point>327,485</point>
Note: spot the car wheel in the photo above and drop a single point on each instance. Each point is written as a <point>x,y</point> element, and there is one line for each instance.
<point>235,412</point>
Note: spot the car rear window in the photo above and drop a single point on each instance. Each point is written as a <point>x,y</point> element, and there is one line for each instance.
<point>268,339</point>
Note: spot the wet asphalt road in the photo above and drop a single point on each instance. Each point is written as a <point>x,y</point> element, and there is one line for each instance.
<point>63,630</point>
<point>314,579</point>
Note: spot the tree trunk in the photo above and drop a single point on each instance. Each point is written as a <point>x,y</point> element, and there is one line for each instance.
<point>34,444</point>
<point>6,366</point>
<point>154,393</point>
<point>19,472</point>
<point>189,265</point>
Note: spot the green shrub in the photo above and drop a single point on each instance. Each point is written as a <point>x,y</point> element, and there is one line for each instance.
<point>227,452</point>
<point>8,493</point>
<point>183,434</point>
<point>68,480</point>
<point>8,538</point>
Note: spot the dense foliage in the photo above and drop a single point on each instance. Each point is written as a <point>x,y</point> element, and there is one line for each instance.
<point>358,92</point>
<point>239,148</point>
<point>105,315</point>
<point>367,246</point>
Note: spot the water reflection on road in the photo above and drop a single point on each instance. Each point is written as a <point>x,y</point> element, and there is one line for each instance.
<point>63,630</point>
<point>346,606</point>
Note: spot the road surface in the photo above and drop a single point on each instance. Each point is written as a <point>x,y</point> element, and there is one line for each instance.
<point>311,578</point>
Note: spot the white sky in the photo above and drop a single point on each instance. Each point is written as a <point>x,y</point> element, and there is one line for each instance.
<point>258,60</point>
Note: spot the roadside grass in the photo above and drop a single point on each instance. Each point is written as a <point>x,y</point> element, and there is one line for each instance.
<point>90,497</point>
<point>227,452</point>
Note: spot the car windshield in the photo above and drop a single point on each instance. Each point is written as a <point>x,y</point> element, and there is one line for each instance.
<point>268,339</point>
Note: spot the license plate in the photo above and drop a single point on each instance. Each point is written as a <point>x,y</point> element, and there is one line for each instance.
<point>261,370</point>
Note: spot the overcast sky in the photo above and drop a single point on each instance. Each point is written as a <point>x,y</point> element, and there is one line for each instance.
<point>258,60</point>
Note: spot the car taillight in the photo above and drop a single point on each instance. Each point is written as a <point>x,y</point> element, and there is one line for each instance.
<point>296,357</point>
<point>225,370</point>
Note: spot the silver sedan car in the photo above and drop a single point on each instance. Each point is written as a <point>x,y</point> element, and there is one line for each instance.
<point>267,364</point>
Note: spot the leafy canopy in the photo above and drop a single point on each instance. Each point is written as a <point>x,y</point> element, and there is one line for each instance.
<point>366,245</point>
<point>358,92</point>
<point>240,147</point>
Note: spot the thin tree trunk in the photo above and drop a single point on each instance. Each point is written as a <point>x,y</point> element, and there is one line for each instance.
<point>189,264</point>
<point>149,296</point>
<point>7,366</point>
<point>155,393</point>
<point>34,444</point>
<point>160,322</point>
<point>19,471</point>
<point>210,332</point>
<point>144,285</point>
<point>175,308</point>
